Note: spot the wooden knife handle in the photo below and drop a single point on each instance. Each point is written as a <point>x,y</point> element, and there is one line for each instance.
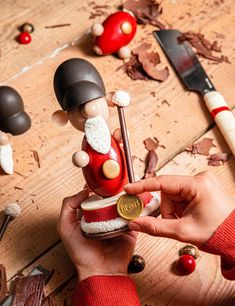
<point>223,116</point>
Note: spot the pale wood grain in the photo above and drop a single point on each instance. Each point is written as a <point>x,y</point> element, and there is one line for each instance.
<point>45,42</point>
<point>176,124</point>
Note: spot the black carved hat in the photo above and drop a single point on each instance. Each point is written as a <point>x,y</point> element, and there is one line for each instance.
<point>13,118</point>
<point>77,82</point>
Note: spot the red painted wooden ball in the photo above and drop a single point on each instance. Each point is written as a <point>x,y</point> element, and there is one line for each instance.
<point>186,264</point>
<point>119,29</point>
<point>24,38</point>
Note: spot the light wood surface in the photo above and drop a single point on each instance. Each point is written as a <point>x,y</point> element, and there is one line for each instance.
<point>32,239</point>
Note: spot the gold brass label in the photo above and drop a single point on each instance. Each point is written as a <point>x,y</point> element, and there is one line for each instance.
<point>129,206</point>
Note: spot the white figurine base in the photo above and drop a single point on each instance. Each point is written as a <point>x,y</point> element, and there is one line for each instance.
<point>112,227</point>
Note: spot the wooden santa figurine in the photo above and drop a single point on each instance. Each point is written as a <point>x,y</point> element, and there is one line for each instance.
<point>81,93</point>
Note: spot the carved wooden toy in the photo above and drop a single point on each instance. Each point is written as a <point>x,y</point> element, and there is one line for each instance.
<point>13,120</point>
<point>81,93</point>
<point>114,34</point>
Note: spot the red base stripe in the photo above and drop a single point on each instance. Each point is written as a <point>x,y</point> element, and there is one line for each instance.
<point>110,212</point>
<point>146,197</point>
<point>102,214</point>
<point>217,110</point>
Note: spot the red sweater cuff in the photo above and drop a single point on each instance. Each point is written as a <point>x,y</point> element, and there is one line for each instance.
<point>103,290</point>
<point>223,243</point>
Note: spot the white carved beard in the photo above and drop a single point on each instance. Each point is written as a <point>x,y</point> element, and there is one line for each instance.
<point>98,134</point>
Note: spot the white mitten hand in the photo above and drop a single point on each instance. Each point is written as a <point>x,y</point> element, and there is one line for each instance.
<point>6,158</point>
<point>121,98</point>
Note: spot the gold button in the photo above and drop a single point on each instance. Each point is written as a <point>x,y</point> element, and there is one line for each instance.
<point>126,28</point>
<point>111,169</point>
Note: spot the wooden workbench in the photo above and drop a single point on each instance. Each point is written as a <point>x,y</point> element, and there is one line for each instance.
<point>32,239</point>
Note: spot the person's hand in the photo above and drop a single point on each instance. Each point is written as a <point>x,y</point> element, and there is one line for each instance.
<point>192,207</point>
<point>93,257</point>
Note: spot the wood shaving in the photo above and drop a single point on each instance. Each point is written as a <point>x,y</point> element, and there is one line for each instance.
<point>201,147</point>
<point>36,157</point>
<point>143,65</point>
<point>145,11</point>
<point>166,102</point>
<point>218,159</point>
<point>151,163</point>
<point>151,144</point>
<point>98,10</point>
<point>160,145</point>
<point>203,46</point>
<point>159,75</point>
<point>18,188</point>
<point>141,48</point>
<point>58,25</point>
<point>134,69</point>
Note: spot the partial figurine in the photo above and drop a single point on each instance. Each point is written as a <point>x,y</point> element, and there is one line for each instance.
<point>114,34</point>
<point>81,94</point>
<point>13,121</point>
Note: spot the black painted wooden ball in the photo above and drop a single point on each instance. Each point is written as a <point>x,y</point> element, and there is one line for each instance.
<point>136,265</point>
<point>13,118</point>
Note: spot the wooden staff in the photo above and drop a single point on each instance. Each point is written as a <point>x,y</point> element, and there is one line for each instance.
<point>126,144</point>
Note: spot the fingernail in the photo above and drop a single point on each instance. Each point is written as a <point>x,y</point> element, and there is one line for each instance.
<point>127,185</point>
<point>134,226</point>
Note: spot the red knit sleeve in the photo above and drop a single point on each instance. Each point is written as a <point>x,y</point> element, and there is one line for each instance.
<point>105,290</point>
<point>223,243</point>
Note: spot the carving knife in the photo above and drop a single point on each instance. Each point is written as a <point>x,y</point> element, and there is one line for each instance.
<point>192,74</point>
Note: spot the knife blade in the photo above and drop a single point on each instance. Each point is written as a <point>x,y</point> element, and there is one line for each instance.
<point>189,69</point>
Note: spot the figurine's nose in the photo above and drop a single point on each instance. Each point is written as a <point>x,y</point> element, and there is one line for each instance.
<point>91,109</point>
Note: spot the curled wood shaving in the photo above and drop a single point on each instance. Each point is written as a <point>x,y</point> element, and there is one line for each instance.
<point>145,11</point>
<point>151,163</point>
<point>159,75</point>
<point>134,69</point>
<point>143,65</point>
<point>203,46</point>
<point>201,147</point>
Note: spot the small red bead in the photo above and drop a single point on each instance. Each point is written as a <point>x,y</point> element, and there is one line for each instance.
<point>186,264</point>
<point>24,38</point>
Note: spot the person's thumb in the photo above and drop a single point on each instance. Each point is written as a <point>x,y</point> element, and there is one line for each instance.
<point>155,226</point>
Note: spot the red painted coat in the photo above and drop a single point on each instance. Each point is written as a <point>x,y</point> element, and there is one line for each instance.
<point>113,38</point>
<point>93,173</point>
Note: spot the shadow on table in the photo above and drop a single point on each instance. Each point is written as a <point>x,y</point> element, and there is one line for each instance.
<point>85,44</point>
<point>32,239</point>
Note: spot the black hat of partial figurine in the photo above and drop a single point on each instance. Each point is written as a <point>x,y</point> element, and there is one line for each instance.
<point>13,118</point>
<point>77,82</point>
